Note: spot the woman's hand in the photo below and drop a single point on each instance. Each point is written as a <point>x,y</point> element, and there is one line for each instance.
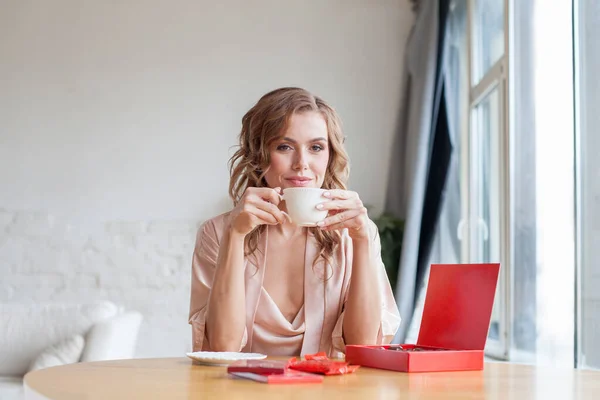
<point>258,206</point>
<point>346,210</point>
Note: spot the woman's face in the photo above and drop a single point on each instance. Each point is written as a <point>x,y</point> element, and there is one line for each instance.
<point>299,158</point>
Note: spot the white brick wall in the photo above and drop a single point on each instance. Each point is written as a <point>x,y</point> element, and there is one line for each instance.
<point>143,266</point>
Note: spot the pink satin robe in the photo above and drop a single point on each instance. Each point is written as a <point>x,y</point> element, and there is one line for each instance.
<point>324,300</point>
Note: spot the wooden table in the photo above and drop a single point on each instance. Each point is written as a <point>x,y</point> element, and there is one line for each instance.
<point>180,378</point>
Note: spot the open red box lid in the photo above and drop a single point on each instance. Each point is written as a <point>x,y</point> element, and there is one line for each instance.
<point>458,306</point>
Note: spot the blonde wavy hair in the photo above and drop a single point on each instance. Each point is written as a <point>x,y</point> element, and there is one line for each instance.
<point>265,123</point>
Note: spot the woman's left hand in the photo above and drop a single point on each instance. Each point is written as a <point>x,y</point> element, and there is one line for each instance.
<point>346,210</point>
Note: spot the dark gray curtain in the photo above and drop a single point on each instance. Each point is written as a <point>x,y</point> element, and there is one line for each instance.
<point>421,155</point>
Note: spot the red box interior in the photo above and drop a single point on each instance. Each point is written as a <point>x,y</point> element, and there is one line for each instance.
<point>454,326</point>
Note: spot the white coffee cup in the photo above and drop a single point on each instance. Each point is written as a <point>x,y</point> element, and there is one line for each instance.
<point>301,204</point>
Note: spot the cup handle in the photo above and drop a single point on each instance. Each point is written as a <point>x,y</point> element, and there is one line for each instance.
<point>287,216</point>
<point>282,198</point>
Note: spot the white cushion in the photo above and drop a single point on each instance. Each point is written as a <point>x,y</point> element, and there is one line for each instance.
<point>66,352</point>
<point>28,329</point>
<point>11,388</point>
<point>113,339</point>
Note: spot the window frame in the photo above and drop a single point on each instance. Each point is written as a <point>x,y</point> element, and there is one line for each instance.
<point>497,77</point>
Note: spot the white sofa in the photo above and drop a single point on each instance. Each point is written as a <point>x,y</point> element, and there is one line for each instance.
<point>36,336</point>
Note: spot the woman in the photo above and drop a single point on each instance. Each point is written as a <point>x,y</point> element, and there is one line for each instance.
<point>262,284</point>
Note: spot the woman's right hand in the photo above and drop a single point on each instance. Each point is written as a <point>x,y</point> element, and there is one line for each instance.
<point>258,206</point>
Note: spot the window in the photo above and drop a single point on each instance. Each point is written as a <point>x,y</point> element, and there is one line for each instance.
<point>488,36</point>
<point>542,223</point>
<point>510,190</point>
<point>587,15</point>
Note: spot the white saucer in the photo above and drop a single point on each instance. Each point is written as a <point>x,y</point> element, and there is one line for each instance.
<point>223,358</point>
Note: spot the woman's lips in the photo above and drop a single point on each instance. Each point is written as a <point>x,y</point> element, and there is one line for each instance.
<point>299,181</point>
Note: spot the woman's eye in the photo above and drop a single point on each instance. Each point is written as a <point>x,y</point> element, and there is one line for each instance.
<point>283,147</point>
<point>317,147</point>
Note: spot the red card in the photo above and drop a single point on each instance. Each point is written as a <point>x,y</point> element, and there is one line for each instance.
<point>263,367</point>
<point>290,376</point>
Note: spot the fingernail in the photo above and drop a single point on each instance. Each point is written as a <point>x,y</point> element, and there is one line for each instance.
<point>327,194</point>
<point>320,223</point>
<point>319,206</point>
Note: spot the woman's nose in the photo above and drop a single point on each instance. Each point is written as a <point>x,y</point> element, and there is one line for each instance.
<point>300,162</point>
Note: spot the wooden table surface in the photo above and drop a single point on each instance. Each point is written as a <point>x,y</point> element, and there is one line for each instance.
<point>181,378</point>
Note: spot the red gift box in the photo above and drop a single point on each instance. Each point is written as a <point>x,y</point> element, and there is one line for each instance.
<point>454,326</point>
